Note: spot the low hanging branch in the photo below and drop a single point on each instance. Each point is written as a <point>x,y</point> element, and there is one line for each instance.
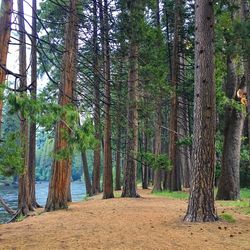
<point>7,207</point>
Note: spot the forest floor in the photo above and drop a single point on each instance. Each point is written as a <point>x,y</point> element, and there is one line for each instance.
<point>151,222</point>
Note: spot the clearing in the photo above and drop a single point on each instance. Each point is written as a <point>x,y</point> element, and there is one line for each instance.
<point>151,222</point>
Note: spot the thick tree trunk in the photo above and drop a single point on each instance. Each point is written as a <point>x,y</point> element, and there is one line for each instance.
<point>175,172</point>
<point>201,201</point>
<point>86,174</point>
<point>59,182</point>
<point>97,152</point>
<point>107,168</point>
<point>229,183</point>
<point>24,196</point>
<point>5,23</point>
<point>129,187</point>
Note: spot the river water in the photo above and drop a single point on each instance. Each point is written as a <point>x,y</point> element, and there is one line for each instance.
<point>9,193</point>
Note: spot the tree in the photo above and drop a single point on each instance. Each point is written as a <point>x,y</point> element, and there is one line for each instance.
<point>157,147</point>
<point>175,184</point>
<point>135,9</point>
<point>229,182</point>
<point>59,182</point>
<point>97,151</point>
<point>5,23</point>
<point>107,168</point>
<point>86,173</point>
<point>201,201</point>
<point>33,92</point>
<point>24,195</point>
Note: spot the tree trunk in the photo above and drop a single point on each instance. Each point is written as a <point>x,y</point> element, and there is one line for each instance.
<point>201,200</point>
<point>119,129</point>
<point>157,149</point>
<point>145,169</point>
<point>129,187</point>
<point>107,168</point>
<point>246,17</point>
<point>118,155</point>
<point>229,183</point>
<point>175,172</point>
<point>59,182</point>
<point>5,23</point>
<point>97,151</point>
<point>7,208</point>
<point>86,174</point>
<point>24,196</point>
<point>33,91</point>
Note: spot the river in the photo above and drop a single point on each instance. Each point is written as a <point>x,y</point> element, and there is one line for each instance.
<point>9,193</point>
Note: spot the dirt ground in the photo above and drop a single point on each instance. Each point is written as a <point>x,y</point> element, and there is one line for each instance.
<point>146,223</point>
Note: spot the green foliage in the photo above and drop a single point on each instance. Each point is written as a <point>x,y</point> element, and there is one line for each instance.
<point>160,161</point>
<point>20,218</point>
<point>228,217</point>
<point>11,162</point>
<point>245,193</point>
<point>186,141</point>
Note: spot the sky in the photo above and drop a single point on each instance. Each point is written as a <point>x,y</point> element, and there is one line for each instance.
<point>12,59</point>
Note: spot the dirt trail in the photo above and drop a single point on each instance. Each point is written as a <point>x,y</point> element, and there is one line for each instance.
<point>146,223</point>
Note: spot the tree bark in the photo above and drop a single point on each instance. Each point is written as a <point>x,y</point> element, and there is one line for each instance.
<point>118,153</point>
<point>24,196</point>
<point>33,92</point>
<point>145,169</point>
<point>157,149</point>
<point>97,151</point>
<point>86,174</point>
<point>246,17</point>
<point>175,172</point>
<point>107,168</point>
<point>59,182</point>
<point>201,201</point>
<point>7,208</point>
<point>130,168</point>
<point>5,24</point>
<point>229,183</point>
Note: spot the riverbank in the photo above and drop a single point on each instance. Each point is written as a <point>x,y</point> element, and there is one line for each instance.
<point>151,222</point>
<point>10,194</point>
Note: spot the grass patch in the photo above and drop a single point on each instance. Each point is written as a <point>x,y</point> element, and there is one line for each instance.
<point>245,193</point>
<point>117,194</point>
<point>227,217</point>
<point>173,195</point>
<point>242,205</point>
<point>20,218</point>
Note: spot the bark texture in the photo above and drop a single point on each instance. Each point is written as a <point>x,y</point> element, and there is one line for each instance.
<point>5,23</point>
<point>201,201</point>
<point>97,152</point>
<point>24,196</point>
<point>229,182</point>
<point>246,17</point>
<point>157,149</point>
<point>107,168</point>
<point>59,182</point>
<point>33,92</point>
<point>86,174</point>
<point>175,172</point>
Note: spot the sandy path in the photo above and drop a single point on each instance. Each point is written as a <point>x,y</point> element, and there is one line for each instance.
<point>146,223</point>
